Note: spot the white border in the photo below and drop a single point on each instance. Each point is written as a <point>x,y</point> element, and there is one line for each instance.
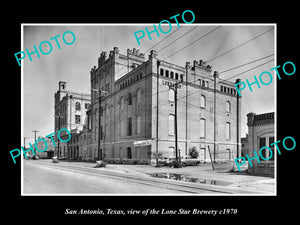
<point>147,24</point>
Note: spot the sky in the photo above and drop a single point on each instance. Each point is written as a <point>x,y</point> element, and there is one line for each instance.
<point>72,63</point>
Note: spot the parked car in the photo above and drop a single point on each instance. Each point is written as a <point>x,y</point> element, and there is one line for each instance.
<point>35,157</point>
<point>189,161</point>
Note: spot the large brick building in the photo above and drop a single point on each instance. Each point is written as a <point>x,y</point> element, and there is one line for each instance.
<point>70,112</point>
<point>138,107</point>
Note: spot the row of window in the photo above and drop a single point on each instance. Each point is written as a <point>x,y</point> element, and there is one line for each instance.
<point>131,80</point>
<point>202,100</point>
<point>203,83</point>
<point>171,74</point>
<point>78,106</point>
<point>202,129</point>
<point>124,129</point>
<point>228,90</point>
<point>129,98</point>
<point>103,72</point>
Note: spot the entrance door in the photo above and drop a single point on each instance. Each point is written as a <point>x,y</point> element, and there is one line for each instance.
<point>129,154</point>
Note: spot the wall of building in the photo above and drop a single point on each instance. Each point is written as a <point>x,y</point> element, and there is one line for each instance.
<point>260,129</point>
<point>139,79</point>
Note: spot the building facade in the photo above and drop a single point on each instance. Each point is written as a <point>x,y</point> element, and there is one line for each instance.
<point>137,121</point>
<point>261,133</point>
<point>70,112</point>
<point>40,145</point>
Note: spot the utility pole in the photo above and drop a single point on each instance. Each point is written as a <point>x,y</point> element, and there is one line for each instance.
<point>174,87</point>
<point>59,116</point>
<point>157,86</point>
<point>100,92</point>
<point>237,120</point>
<point>35,131</point>
<point>216,75</point>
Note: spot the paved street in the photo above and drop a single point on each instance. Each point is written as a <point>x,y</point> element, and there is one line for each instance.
<point>45,177</point>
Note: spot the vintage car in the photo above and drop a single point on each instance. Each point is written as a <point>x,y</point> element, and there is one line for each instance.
<point>189,161</point>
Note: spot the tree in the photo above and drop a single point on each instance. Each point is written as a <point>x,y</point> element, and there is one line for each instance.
<point>193,152</point>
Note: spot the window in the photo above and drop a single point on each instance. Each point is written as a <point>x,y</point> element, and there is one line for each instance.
<point>171,152</point>
<point>181,76</point>
<point>172,75</point>
<point>77,119</point>
<point>77,106</point>
<point>271,140</point>
<point>221,88</point>
<point>122,128</point>
<point>86,105</point>
<point>138,125</point>
<point>176,76</point>
<point>167,73</point>
<point>203,83</point>
<point>171,95</point>
<point>121,103</point>
<point>202,101</point>
<point>106,131</point>
<point>228,106</point>
<point>262,143</point>
<point>139,96</point>
<point>202,128</point>
<point>228,131</point>
<point>229,153</point>
<point>129,126</point>
<point>129,98</point>
<point>161,72</point>
<point>171,124</point>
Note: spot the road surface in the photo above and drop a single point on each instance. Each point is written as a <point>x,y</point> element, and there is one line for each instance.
<point>57,178</point>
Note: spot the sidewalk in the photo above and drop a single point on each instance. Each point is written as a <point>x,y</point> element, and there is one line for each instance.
<point>235,180</point>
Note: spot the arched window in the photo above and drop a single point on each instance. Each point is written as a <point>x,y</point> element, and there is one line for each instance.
<point>228,106</point>
<point>171,95</point>
<point>202,128</point>
<point>121,103</point>
<point>138,125</point>
<point>171,152</point>
<point>171,124</point>
<point>77,106</point>
<point>122,128</point>
<point>139,95</point>
<point>228,130</point>
<point>202,101</point>
<point>129,98</point>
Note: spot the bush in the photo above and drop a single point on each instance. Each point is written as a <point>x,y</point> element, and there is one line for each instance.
<point>193,152</point>
<point>100,164</point>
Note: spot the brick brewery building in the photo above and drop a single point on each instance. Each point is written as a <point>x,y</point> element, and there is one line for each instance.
<point>138,109</point>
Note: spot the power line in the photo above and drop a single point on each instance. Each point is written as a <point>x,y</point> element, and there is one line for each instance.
<point>230,50</point>
<point>178,38</point>
<point>161,41</point>
<point>203,36</point>
<point>220,81</point>
<point>251,69</point>
<point>245,64</point>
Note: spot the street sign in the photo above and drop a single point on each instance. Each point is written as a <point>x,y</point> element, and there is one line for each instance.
<point>142,143</point>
